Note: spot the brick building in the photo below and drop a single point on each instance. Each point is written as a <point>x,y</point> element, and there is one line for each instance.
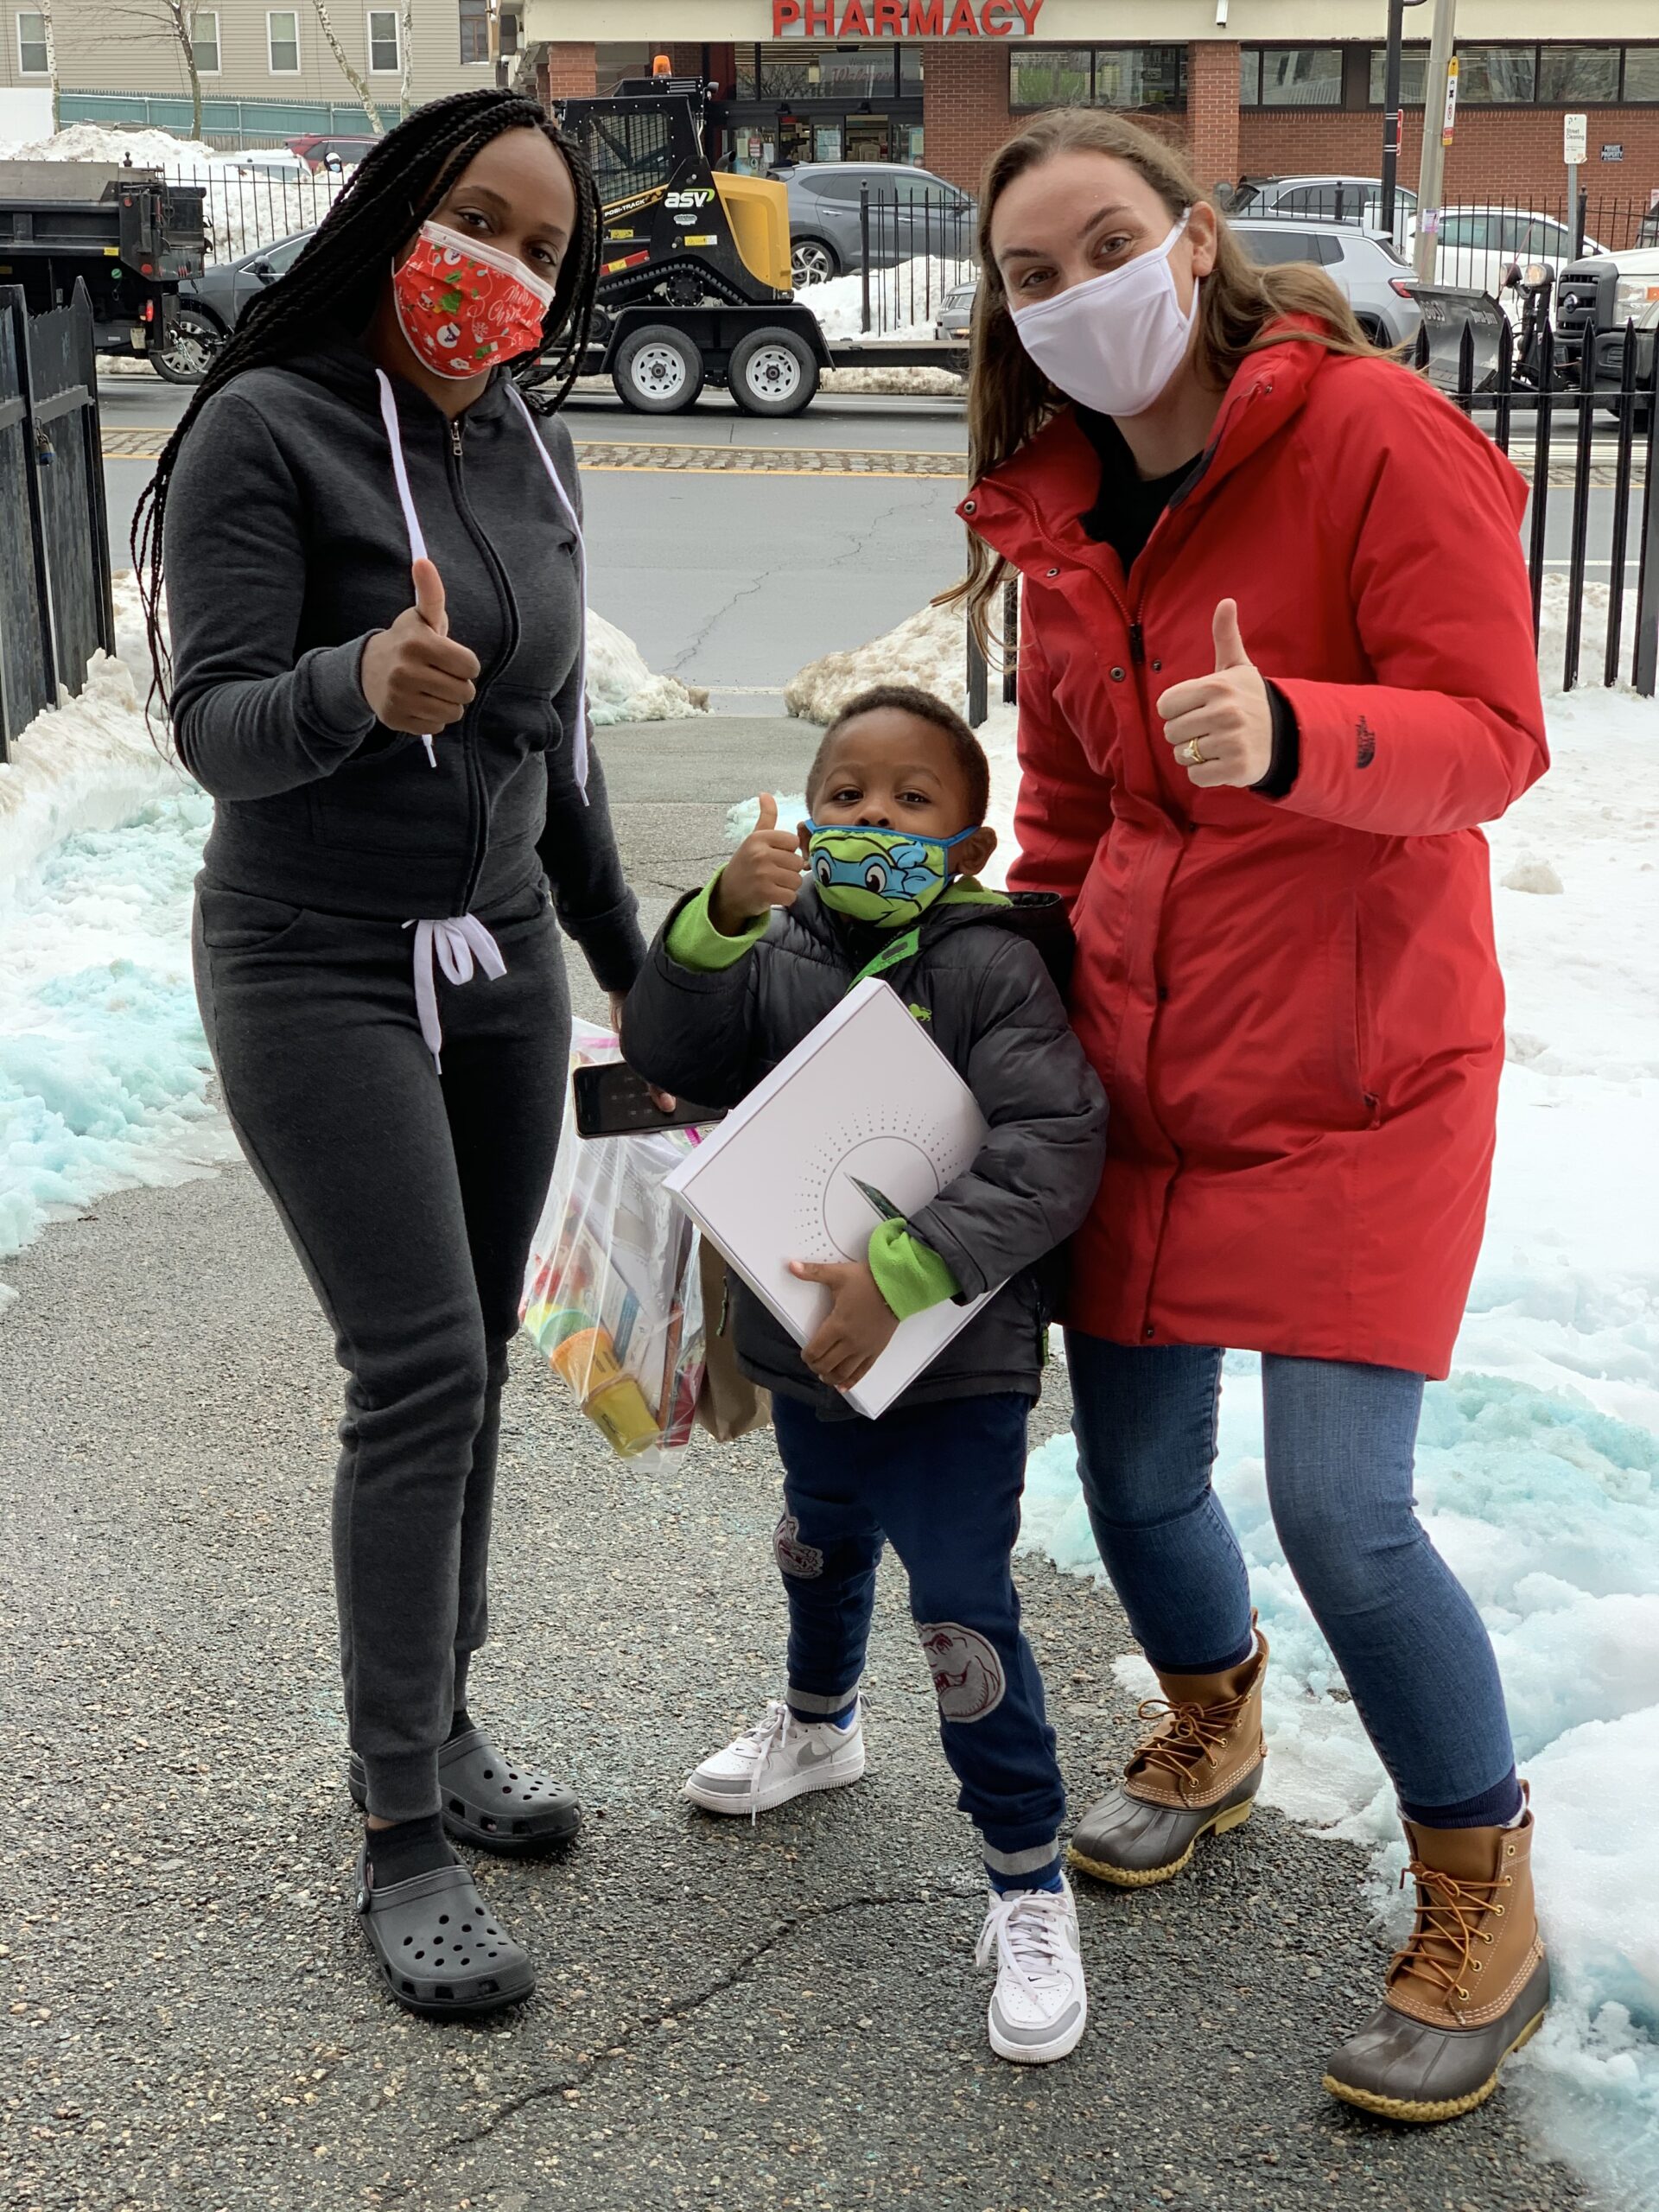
<point>1271,87</point>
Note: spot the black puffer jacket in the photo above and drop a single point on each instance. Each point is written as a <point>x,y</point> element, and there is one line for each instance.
<point>286,549</point>
<point>982,977</point>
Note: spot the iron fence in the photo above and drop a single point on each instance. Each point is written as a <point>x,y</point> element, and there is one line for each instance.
<point>55,608</point>
<point>915,247</point>
<point>244,209</point>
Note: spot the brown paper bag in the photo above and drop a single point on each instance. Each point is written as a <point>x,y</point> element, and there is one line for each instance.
<point>728,1404</point>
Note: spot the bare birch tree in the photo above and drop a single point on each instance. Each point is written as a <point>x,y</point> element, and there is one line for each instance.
<point>173,20</point>
<point>51,35</point>
<point>353,75</point>
<point>406,53</point>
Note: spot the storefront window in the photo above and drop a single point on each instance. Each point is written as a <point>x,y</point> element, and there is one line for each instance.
<point>748,82</point>
<point>799,71</point>
<point>1413,73</point>
<point>1490,76</point>
<point>1291,76</point>
<point>1570,73</point>
<point>1097,76</point>
<point>1642,72</point>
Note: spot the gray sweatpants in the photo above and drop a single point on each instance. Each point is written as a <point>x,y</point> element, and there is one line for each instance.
<point>410,1198</point>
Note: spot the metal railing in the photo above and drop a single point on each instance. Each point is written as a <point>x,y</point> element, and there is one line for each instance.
<point>55,608</point>
<point>245,209</point>
<point>914,251</point>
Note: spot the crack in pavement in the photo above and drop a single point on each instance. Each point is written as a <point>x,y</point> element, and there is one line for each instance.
<point>584,2069</point>
<point>875,523</point>
<point>743,591</point>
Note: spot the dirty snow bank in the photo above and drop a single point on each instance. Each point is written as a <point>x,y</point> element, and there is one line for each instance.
<point>905,300</point>
<point>621,689</point>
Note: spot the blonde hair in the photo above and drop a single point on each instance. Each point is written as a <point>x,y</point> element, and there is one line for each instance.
<point>1009,397</point>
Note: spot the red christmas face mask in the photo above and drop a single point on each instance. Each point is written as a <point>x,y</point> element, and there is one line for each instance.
<point>463,306</point>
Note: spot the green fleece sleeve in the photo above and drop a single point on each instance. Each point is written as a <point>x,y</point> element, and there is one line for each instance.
<point>694,943</point>
<point>909,1275</point>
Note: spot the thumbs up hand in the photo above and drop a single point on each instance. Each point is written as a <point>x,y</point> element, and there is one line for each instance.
<point>764,871</point>
<point>413,676</point>
<point>1221,726</point>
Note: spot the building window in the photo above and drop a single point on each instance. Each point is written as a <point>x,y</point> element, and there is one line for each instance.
<point>204,41</point>
<point>283,42</point>
<point>1414,73</point>
<point>31,44</point>
<point>1570,74</point>
<point>1097,76</point>
<point>1290,76</point>
<point>475,31</point>
<point>1642,72</point>
<point>384,60</point>
<point>1496,76</point>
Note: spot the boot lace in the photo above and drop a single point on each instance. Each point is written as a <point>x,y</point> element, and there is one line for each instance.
<point>1188,1738</point>
<point>1026,1928</point>
<point>1440,1949</point>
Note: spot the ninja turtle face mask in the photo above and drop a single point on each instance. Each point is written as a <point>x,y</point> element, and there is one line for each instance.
<point>888,876</point>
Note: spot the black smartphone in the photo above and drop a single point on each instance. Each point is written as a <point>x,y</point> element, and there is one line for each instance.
<point>612,1101</point>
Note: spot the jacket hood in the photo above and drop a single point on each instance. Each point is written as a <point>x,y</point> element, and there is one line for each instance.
<point>1032,506</point>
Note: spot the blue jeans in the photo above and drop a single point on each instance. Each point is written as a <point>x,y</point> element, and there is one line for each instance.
<point>1340,1439</point>
<point>942,1484</point>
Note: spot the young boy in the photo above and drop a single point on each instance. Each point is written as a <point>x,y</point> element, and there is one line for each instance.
<point>881,879</point>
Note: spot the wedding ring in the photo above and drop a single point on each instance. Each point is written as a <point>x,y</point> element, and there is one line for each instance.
<point>1189,751</point>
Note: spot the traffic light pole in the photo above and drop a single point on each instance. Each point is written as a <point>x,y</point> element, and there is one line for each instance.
<point>1391,111</point>
<point>1436,120</point>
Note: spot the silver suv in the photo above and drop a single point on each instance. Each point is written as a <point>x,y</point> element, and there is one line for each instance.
<point>1324,200</point>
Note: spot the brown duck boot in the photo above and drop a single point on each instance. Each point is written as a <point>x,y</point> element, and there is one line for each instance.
<point>1195,1775</point>
<point>1470,1987</point>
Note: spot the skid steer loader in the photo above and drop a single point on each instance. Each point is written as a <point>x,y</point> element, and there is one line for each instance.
<point>694,283</point>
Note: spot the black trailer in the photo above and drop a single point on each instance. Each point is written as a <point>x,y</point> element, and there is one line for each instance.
<point>126,233</point>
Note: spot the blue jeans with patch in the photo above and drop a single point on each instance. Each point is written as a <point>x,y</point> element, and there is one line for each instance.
<point>942,1484</point>
<point>1340,1441</point>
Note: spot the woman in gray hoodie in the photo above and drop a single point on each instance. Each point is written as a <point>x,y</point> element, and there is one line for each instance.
<point>374,575</point>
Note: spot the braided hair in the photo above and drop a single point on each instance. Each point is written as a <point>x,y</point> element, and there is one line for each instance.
<point>336,278</point>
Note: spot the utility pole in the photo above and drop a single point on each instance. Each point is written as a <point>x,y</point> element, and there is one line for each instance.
<point>1439,94</point>
<point>1392,117</point>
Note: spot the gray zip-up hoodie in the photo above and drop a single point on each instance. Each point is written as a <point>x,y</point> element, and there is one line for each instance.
<point>286,549</point>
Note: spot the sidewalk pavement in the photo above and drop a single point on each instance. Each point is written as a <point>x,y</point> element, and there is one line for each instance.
<point>727,2019</point>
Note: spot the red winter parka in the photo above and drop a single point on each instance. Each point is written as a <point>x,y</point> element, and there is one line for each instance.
<point>1294,1004</point>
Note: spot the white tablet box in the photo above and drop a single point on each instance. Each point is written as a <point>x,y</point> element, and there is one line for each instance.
<point>864,1117</point>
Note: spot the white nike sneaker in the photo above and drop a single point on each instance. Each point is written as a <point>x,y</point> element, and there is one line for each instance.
<point>780,1757</point>
<point>1039,2005</point>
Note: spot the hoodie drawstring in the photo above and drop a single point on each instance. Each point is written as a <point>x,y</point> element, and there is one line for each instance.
<point>461,945</point>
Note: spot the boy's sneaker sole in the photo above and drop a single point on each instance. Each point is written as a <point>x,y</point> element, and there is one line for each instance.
<point>832,1773</point>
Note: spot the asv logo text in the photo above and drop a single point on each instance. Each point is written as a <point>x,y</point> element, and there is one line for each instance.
<point>698,198</point>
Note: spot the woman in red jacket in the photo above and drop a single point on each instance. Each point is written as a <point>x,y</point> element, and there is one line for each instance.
<point>1276,666</point>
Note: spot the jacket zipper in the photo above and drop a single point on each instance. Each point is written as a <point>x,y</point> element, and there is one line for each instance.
<point>477,793</point>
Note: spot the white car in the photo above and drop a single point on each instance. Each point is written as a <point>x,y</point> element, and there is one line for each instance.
<point>261,161</point>
<point>1479,247</point>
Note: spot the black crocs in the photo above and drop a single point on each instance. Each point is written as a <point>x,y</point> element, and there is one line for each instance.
<point>490,1803</point>
<point>439,1947</point>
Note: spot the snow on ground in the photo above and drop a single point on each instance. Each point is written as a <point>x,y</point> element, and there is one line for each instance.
<point>103,1071</point>
<point>905,300</point>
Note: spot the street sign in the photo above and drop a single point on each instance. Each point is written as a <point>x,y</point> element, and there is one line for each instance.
<point>1575,139</point>
<point>1615,152</point>
<point>1451,101</point>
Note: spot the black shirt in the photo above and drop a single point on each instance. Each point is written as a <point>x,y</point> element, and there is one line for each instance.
<point>1125,512</point>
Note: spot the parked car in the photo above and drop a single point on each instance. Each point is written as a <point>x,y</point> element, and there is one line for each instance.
<point>1326,199</point>
<point>210,306</point>
<point>261,161</point>
<point>319,153</point>
<point>1376,280</point>
<point>1481,247</point>
<point>912,211</point>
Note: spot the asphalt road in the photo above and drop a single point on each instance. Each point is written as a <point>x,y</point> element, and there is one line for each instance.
<point>727,2019</point>
<point>733,576</point>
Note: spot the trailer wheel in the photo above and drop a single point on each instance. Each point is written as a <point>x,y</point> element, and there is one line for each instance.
<point>659,371</point>
<point>192,345</point>
<point>773,372</point>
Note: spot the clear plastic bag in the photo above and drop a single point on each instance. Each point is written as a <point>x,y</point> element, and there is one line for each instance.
<point>612,1293</point>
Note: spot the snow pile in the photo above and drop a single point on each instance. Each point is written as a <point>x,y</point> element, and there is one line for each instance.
<point>1538,1474</point>
<point>928,648</point>
<point>905,300</point>
<point>621,689</point>
<point>97,142</point>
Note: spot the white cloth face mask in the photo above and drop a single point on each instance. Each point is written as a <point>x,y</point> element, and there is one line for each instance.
<point>1114,342</point>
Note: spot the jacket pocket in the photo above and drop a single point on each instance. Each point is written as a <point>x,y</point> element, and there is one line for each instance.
<point>236,921</point>
<point>395,801</point>
<point>1351,1030</point>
